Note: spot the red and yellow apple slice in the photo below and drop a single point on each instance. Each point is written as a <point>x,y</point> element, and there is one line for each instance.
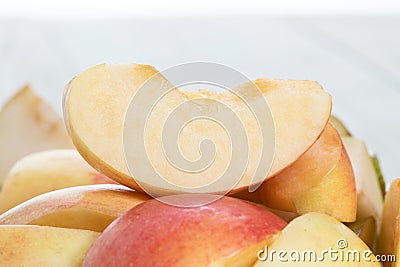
<point>314,182</point>
<point>46,171</point>
<point>96,102</point>
<point>31,245</point>
<point>155,233</point>
<point>389,239</point>
<point>369,194</point>
<point>89,207</point>
<point>316,239</point>
<point>28,125</point>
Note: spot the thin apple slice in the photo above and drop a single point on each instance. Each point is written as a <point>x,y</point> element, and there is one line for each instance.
<point>27,125</point>
<point>32,245</point>
<point>369,194</point>
<point>215,232</point>
<point>88,207</point>
<point>316,239</point>
<point>46,171</point>
<point>96,102</point>
<point>339,125</point>
<point>313,182</point>
<point>389,239</point>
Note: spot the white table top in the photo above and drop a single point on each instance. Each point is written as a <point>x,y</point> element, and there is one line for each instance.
<point>357,60</point>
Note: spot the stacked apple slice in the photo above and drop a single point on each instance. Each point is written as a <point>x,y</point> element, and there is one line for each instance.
<point>311,178</point>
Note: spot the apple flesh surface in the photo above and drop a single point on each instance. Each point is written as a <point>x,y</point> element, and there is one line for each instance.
<point>96,102</point>
<point>27,125</point>
<point>31,245</point>
<point>317,232</point>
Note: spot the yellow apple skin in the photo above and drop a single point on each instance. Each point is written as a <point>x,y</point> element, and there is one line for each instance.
<point>389,239</point>
<point>300,109</point>
<point>88,207</point>
<point>317,232</point>
<point>314,182</point>
<point>41,246</point>
<point>27,125</point>
<point>46,171</point>
<point>155,233</point>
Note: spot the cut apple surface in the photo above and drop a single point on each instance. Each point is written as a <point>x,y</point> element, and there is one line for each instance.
<point>316,239</point>
<point>41,246</point>
<point>155,234</point>
<point>369,194</point>
<point>46,171</point>
<point>97,100</point>
<point>27,125</point>
<point>89,207</point>
<point>389,239</point>
<point>314,182</point>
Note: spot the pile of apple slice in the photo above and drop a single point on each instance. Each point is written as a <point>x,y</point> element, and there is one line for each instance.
<point>71,207</point>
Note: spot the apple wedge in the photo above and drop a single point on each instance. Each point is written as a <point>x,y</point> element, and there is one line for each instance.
<point>96,102</point>
<point>46,171</point>
<point>366,230</point>
<point>389,239</point>
<point>155,233</point>
<point>27,125</point>
<point>369,194</point>
<point>88,207</point>
<point>314,182</point>
<point>316,239</point>
<point>31,245</point>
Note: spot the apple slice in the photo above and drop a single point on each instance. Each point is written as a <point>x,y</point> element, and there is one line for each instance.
<point>46,171</point>
<point>88,207</point>
<point>96,102</point>
<point>313,182</point>
<point>33,245</point>
<point>366,230</point>
<point>339,125</point>
<point>27,125</point>
<point>185,236</point>
<point>316,239</point>
<point>389,239</point>
<point>369,194</point>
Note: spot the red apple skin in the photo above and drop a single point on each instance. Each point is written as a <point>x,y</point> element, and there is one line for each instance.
<point>157,234</point>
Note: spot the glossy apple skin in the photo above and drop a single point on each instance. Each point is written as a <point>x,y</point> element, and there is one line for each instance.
<point>158,234</point>
<point>87,207</point>
<point>313,182</point>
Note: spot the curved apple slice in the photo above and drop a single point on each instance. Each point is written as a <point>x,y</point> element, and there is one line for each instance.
<point>313,182</point>
<point>88,207</point>
<point>47,171</point>
<point>27,125</point>
<point>32,245</point>
<point>369,194</point>
<point>316,239</point>
<point>96,102</point>
<point>389,239</point>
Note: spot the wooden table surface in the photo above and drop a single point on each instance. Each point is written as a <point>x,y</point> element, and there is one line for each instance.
<point>356,59</point>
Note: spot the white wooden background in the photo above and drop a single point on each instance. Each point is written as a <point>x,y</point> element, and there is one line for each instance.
<point>356,59</point>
